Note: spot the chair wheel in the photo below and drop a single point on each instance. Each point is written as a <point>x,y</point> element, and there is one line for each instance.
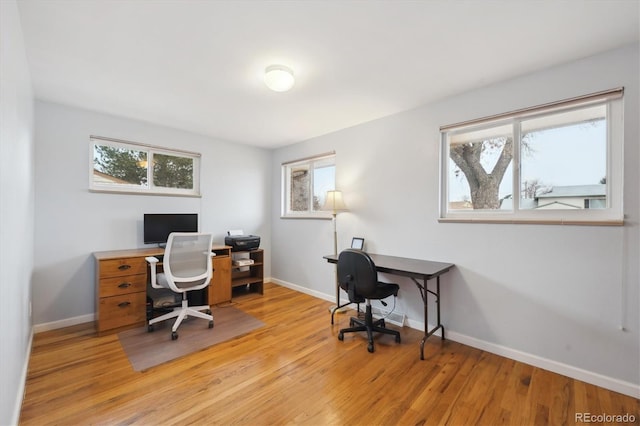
<point>397,339</point>
<point>211,324</point>
<point>341,336</point>
<point>150,328</point>
<point>174,335</point>
<point>370,347</point>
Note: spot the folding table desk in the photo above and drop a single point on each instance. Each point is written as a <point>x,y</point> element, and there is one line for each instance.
<point>415,269</point>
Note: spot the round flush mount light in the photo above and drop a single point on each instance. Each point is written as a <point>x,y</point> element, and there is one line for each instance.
<point>278,78</point>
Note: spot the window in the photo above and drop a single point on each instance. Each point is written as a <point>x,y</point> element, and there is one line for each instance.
<point>304,186</point>
<point>120,166</point>
<point>558,163</point>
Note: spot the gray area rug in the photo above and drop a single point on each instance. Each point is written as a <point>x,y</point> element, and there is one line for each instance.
<point>146,350</point>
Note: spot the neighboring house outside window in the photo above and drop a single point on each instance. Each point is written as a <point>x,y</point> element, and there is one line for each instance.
<point>573,197</point>
<point>305,183</point>
<point>561,197</point>
<point>103,178</point>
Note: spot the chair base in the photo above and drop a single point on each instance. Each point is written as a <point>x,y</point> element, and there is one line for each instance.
<point>181,313</point>
<point>369,326</point>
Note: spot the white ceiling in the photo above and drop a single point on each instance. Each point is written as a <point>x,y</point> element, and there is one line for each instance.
<point>197,65</point>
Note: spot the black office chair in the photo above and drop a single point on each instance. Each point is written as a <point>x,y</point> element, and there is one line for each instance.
<point>357,275</point>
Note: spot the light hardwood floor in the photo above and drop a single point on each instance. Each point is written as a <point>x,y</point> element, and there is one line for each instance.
<point>295,371</point>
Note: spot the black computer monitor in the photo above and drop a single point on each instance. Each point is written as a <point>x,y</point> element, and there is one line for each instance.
<point>158,226</point>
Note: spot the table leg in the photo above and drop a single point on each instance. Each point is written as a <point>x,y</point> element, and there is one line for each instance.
<point>438,307</point>
<point>426,318</point>
<point>339,306</point>
<point>424,291</point>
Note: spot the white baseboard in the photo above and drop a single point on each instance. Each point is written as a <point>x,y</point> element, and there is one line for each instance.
<point>577,373</point>
<point>23,383</point>
<point>616,385</point>
<point>304,290</point>
<point>67,322</point>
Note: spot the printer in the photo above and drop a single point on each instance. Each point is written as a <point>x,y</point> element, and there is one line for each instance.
<point>242,242</point>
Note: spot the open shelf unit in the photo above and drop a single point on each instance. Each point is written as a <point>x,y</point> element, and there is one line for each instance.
<point>249,276</point>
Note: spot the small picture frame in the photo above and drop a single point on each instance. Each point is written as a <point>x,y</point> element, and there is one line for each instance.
<point>357,243</point>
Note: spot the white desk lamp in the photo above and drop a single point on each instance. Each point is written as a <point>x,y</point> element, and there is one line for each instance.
<point>335,204</point>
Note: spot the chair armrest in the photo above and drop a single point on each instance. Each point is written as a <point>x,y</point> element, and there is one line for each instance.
<point>152,266</point>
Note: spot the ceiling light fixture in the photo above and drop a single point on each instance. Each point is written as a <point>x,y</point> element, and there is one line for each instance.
<point>278,78</point>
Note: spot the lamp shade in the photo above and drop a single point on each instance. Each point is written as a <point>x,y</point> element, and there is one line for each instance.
<point>334,202</point>
<point>279,78</point>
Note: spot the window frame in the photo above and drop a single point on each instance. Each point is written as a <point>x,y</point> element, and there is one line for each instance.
<point>613,214</point>
<point>151,150</point>
<point>285,187</point>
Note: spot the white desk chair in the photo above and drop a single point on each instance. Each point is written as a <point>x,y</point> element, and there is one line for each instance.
<point>187,267</point>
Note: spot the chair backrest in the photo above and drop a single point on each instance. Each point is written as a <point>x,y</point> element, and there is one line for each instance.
<point>357,274</point>
<point>187,259</point>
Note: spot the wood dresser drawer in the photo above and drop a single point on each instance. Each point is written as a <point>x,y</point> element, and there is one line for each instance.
<point>121,292</point>
<point>121,267</point>
<point>122,285</point>
<point>120,311</point>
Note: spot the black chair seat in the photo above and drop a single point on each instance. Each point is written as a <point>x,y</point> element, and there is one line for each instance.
<point>357,275</point>
<point>384,290</point>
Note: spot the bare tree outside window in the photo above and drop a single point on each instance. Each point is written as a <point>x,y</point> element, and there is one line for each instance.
<point>483,184</point>
<point>530,188</point>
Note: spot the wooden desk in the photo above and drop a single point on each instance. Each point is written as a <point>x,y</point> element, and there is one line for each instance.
<point>415,269</point>
<point>121,286</point>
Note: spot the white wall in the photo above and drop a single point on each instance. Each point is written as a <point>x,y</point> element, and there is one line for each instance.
<point>16,211</point>
<point>571,320</point>
<point>71,223</point>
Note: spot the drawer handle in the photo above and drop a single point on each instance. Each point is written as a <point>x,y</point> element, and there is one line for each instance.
<point>124,267</point>
<point>123,304</point>
<point>125,285</point>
